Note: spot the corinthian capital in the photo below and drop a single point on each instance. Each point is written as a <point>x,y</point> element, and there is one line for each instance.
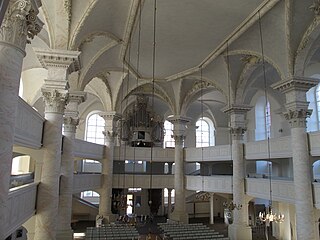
<point>179,139</point>
<point>55,101</point>
<point>20,22</point>
<point>70,124</point>
<point>297,118</point>
<point>238,132</point>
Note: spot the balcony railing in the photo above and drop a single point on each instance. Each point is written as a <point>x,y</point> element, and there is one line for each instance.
<point>215,183</point>
<point>282,190</point>
<point>214,153</point>
<point>85,182</point>
<point>20,206</point>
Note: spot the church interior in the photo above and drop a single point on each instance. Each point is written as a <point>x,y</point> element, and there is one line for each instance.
<point>160,119</point>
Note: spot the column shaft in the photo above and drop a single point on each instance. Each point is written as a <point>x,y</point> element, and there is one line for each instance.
<point>302,184</point>
<point>71,120</point>
<point>180,200</point>
<point>48,191</point>
<point>239,229</point>
<point>105,209</point>
<point>179,213</point>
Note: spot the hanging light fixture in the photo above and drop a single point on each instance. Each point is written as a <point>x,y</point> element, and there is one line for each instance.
<point>230,205</point>
<point>268,216</point>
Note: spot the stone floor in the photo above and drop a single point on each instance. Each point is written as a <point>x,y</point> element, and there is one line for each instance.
<point>258,233</point>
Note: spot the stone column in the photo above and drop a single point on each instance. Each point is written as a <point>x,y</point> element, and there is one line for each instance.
<point>295,89</point>
<point>211,208</point>
<point>20,21</point>
<point>71,121</point>
<point>179,129</point>
<point>239,229</point>
<point>107,166</point>
<point>169,202</point>
<point>59,65</point>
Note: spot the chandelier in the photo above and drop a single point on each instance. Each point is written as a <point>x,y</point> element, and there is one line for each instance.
<point>271,217</point>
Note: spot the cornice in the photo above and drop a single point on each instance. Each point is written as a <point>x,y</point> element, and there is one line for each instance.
<point>58,58</point>
<point>295,83</point>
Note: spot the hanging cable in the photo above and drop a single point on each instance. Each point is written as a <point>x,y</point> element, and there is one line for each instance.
<point>153,89</point>
<point>269,216</point>
<point>201,130</point>
<point>266,112</point>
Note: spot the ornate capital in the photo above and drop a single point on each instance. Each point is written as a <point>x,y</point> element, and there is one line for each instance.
<point>110,135</point>
<point>70,124</point>
<point>55,101</point>
<point>179,139</point>
<point>237,132</point>
<point>20,22</point>
<point>297,118</point>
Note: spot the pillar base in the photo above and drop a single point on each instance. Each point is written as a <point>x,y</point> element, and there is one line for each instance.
<point>239,232</point>
<point>180,217</point>
<point>64,234</point>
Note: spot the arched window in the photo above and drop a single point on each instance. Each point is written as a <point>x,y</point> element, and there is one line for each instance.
<point>166,168</point>
<point>94,131</point>
<point>313,97</point>
<point>263,119</point>
<point>168,140</point>
<point>204,133</point>
<point>95,128</point>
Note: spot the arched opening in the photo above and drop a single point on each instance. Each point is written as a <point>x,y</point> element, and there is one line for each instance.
<point>205,130</point>
<point>168,141</point>
<point>262,119</point>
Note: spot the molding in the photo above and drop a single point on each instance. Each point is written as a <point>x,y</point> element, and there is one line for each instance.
<point>294,83</point>
<point>58,59</point>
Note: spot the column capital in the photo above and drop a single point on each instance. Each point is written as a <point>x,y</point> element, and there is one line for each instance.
<point>55,58</point>
<point>110,125</point>
<point>237,113</point>
<point>111,115</point>
<point>70,124</point>
<point>179,127</point>
<point>55,101</point>
<point>20,22</point>
<point>177,119</point>
<point>295,88</point>
<point>179,139</point>
<point>77,96</point>
<point>297,118</point>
